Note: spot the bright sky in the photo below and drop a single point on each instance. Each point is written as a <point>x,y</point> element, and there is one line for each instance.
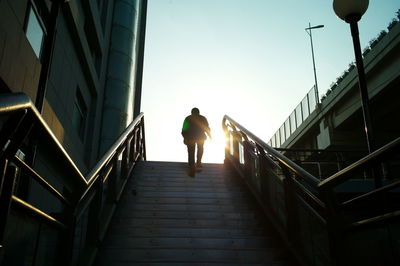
<point>250,59</point>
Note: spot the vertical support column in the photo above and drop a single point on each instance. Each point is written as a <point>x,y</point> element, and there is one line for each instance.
<point>140,57</point>
<point>119,80</point>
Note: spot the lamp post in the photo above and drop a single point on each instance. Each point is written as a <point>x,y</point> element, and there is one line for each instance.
<point>351,11</point>
<point>308,30</point>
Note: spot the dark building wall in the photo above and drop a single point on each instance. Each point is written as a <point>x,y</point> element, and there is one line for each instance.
<point>94,49</point>
<point>19,66</point>
<point>77,76</point>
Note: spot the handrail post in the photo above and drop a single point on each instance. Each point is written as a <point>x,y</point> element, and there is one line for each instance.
<point>133,145</point>
<point>113,179</point>
<point>227,142</point>
<point>334,227</point>
<point>125,160</point>
<point>142,140</point>
<point>236,141</point>
<point>66,254</point>
<point>263,171</point>
<point>290,201</point>
<point>9,175</point>
<point>247,159</point>
<point>94,219</point>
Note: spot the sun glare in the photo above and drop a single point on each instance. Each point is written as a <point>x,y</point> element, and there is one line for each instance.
<point>214,148</point>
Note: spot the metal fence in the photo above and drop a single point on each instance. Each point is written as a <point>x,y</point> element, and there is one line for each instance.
<point>303,110</point>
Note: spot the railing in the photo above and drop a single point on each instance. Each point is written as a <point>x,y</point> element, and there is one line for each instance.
<point>303,110</point>
<point>322,163</point>
<point>342,220</point>
<point>50,213</point>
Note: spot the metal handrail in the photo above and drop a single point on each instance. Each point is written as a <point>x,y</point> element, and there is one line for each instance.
<point>309,178</point>
<point>12,103</point>
<point>42,181</point>
<point>113,149</point>
<point>22,117</point>
<point>36,212</point>
<point>344,174</point>
<point>288,192</point>
<point>93,175</point>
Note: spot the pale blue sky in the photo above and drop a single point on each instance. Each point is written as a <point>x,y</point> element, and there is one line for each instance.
<point>250,59</point>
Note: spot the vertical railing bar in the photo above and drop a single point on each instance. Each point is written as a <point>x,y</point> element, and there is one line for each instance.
<point>10,175</point>
<point>36,245</point>
<point>143,138</point>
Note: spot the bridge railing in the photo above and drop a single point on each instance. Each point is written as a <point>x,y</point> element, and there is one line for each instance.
<point>323,163</point>
<point>51,214</point>
<point>341,220</point>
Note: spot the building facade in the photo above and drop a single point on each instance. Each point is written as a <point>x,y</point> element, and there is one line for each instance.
<point>78,62</point>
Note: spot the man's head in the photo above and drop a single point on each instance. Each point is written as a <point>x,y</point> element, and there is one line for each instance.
<point>195,111</point>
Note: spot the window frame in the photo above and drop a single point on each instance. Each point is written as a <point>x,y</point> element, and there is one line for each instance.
<point>32,9</point>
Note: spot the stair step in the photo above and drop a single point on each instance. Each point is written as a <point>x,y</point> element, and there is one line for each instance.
<point>186,223</point>
<point>166,217</point>
<point>151,231</point>
<point>173,200</point>
<point>204,189</point>
<point>274,263</point>
<point>189,255</point>
<point>118,241</point>
<point>188,214</point>
<point>185,207</point>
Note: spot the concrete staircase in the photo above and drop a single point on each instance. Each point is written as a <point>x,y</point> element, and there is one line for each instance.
<point>166,217</point>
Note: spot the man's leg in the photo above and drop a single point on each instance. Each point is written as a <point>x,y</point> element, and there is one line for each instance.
<point>200,146</point>
<point>191,149</point>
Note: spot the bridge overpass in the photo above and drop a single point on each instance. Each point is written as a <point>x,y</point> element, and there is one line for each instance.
<point>260,207</point>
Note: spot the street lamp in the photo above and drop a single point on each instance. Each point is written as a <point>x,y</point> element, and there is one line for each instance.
<point>351,11</point>
<point>308,30</point>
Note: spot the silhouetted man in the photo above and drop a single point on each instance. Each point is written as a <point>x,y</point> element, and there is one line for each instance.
<point>195,131</point>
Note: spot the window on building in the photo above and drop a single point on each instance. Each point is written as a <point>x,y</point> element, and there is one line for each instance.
<point>34,31</point>
<point>95,52</point>
<point>79,115</point>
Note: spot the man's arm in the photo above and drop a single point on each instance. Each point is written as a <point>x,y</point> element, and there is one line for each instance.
<point>185,128</point>
<point>207,129</point>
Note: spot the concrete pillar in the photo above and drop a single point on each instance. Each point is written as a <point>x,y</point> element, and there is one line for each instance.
<point>121,63</point>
